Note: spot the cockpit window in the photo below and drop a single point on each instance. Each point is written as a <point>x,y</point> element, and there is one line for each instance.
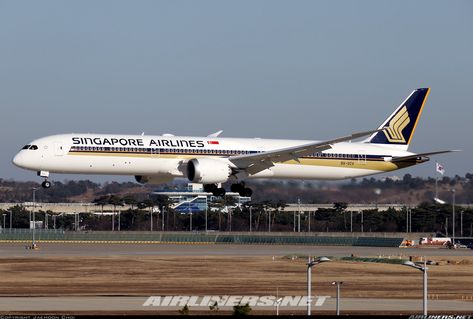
<point>30,147</point>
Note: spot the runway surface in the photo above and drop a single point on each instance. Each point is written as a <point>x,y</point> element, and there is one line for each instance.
<point>104,302</point>
<point>103,250</point>
<point>123,304</point>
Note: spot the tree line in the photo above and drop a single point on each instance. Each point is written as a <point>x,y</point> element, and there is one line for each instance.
<point>408,189</point>
<point>223,215</point>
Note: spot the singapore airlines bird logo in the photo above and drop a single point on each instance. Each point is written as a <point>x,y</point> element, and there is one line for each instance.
<point>399,122</point>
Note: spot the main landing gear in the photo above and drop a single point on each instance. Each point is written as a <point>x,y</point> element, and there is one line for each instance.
<point>241,189</point>
<point>236,188</point>
<point>214,189</point>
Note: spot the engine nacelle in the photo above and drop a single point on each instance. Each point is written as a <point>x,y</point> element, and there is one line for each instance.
<point>208,171</point>
<point>153,179</point>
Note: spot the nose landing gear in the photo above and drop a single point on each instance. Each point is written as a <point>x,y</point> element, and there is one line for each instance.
<point>46,184</point>
<point>45,175</point>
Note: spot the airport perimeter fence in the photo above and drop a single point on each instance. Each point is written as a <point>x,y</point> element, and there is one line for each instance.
<point>52,235</point>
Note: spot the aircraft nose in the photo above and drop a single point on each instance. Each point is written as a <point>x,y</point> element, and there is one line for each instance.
<point>19,159</point>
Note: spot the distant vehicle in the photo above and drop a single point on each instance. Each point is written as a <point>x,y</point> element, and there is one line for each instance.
<point>213,160</point>
<point>435,241</point>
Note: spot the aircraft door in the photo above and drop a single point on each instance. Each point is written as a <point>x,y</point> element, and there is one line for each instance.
<point>362,159</point>
<point>155,152</point>
<point>59,149</point>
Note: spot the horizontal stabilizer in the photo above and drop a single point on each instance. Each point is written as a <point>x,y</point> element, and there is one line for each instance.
<point>414,156</point>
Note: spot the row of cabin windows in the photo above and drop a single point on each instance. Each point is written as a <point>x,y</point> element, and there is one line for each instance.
<point>156,150</point>
<point>336,155</point>
<point>194,151</point>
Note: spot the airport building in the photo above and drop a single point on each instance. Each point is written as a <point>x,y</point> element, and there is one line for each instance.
<point>194,199</point>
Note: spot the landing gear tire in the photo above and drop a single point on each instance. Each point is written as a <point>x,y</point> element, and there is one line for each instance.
<point>219,192</point>
<point>238,187</point>
<point>246,192</point>
<point>46,184</point>
<point>241,189</point>
<point>210,188</point>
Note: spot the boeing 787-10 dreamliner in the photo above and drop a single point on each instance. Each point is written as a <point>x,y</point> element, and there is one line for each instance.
<point>213,160</point>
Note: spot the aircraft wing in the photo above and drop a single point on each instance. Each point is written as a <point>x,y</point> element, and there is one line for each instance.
<point>254,163</point>
<point>414,156</point>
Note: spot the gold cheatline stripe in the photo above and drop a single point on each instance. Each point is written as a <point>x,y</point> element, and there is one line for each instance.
<point>372,164</point>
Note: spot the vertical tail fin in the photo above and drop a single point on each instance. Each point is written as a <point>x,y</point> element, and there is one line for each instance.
<point>401,124</point>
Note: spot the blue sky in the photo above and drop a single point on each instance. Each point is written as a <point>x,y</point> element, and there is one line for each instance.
<point>276,69</point>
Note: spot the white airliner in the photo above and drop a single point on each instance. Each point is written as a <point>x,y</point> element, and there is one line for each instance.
<point>213,160</point>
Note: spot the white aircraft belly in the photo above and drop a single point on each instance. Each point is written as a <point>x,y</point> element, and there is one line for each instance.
<point>122,165</point>
<point>312,172</point>
<point>113,165</point>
